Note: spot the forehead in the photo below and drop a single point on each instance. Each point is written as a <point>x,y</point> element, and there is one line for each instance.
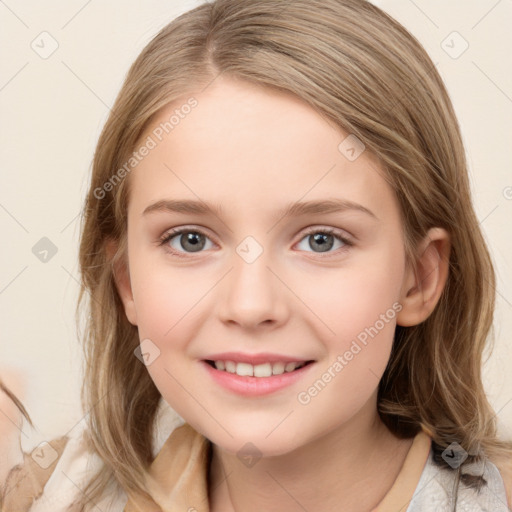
<point>249,146</point>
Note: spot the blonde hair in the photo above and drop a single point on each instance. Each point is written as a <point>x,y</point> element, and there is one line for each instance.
<point>364,72</point>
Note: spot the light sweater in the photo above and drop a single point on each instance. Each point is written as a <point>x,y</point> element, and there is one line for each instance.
<point>180,472</point>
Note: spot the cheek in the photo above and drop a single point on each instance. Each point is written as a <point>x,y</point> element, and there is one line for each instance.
<point>169,303</point>
<point>164,297</point>
<point>350,300</point>
<point>358,309</point>
<point>357,355</point>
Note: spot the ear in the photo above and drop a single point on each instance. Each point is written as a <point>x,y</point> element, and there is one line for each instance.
<point>424,281</point>
<point>121,275</point>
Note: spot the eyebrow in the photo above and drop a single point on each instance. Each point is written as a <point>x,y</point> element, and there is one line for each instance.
<point>293,209</point>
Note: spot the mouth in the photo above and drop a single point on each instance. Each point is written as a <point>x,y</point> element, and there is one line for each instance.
<point>256,374</point>
<point>262,370</point>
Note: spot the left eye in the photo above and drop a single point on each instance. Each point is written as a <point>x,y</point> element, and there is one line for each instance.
<point>324,240</point>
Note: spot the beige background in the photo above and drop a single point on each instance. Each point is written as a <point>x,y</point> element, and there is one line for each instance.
<point>52,110</point>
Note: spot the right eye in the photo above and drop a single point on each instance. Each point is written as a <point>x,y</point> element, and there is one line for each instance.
<point>184,240</point>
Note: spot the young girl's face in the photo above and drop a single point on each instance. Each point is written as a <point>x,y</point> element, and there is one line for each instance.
<point>252,277</point>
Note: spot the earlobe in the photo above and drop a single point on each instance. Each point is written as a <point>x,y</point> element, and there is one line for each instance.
<point>121,274</point>
<point>424,282</point>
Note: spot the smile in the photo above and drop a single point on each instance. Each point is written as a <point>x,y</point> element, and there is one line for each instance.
<point>259,370</point>
<point>255,380</point>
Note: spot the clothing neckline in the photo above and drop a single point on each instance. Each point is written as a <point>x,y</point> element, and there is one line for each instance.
<point>180,475</point>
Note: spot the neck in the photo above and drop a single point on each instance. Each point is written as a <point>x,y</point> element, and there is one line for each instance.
<point>350,469</point>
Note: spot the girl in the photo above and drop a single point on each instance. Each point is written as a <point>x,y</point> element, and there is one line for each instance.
<point>279,242</point>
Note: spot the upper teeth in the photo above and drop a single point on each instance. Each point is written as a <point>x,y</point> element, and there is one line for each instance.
<point>259,370</point>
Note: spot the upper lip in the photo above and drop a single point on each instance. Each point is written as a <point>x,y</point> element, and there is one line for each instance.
<point>265,357</point>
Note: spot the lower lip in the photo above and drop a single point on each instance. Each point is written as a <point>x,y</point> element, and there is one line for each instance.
<point>255,386</point>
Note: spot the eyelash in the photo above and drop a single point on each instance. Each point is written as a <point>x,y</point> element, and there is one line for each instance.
<point>169,235</point>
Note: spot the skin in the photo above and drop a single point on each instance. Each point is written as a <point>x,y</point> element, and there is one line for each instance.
<point>254,150</point>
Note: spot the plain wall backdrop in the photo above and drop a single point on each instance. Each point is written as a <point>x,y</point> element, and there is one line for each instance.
<point>62,64</point>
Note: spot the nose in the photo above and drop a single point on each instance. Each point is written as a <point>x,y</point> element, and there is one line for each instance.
<point>253,295</point>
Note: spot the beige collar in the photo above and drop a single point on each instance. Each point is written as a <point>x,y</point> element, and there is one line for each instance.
<point>180,473</point>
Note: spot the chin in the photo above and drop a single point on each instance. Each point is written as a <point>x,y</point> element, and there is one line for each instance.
<point>247,443</point>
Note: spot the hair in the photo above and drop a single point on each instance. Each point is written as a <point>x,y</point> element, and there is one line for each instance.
<point>366,74</point>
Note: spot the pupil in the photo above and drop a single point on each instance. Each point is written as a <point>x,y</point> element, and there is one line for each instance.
<point>320,238</point>
<point>192,239</point>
